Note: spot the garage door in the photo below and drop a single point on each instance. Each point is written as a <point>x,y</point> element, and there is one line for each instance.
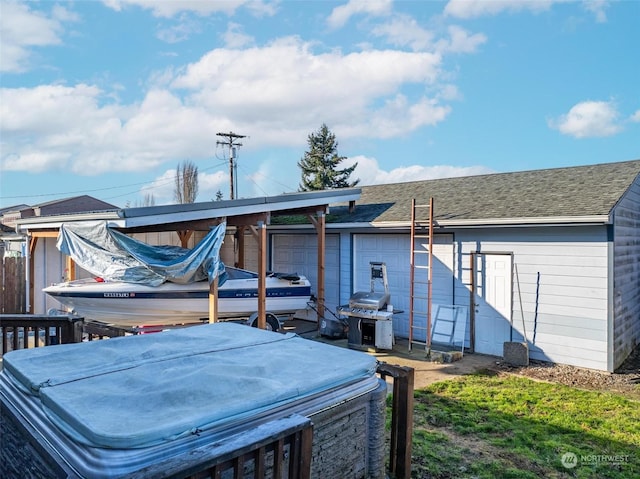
<point>299,254</point>
<point>395,252</point>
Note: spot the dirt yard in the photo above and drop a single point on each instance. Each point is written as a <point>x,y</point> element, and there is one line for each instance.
<point>625,380</point>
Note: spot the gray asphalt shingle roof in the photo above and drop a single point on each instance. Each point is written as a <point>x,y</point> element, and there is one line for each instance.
<point>558,192</point>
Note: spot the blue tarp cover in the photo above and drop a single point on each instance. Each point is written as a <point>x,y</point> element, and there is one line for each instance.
<point>114,256</point>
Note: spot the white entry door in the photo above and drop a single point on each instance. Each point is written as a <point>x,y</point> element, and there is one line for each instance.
<point>493,302</point>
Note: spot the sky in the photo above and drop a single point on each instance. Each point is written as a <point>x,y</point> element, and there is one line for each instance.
<point>107,98</point>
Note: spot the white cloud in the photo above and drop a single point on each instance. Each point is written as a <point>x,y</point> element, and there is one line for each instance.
<point>466,9</point>
<point>180,31</point>
<point>404,30</point>
<point>55,127</point>
<point>461,41</point>
<point>597,7</point>
<point>588,119</point>
<point>24,29</point>
<point>168,9</point>
<point>636,117</point>
<point>341,15</point>
<point>370,173</point>
<point>275,94</point>
<point>290,85</point>
<point>476,8</point>
<point>210,183</point>
<point>161,188</point>
<point>234,36</point>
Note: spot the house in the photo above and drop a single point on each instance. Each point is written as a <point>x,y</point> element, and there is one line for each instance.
<point>550,257</point>
<point>75,204</point>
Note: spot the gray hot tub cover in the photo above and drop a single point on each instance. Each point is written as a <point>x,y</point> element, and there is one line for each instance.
<point>143,390</point>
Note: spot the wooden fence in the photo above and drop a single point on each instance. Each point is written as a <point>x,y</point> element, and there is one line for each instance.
<point>35,330</point>
<point>13,286</point>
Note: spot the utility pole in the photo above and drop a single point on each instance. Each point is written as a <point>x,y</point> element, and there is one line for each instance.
<point>231,143</point>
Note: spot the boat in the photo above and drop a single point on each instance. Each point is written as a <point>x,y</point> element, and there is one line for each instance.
<point>133,304</point>
<point>136,284</point>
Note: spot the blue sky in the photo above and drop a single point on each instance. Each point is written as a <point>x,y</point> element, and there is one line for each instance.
<point>107,98</point>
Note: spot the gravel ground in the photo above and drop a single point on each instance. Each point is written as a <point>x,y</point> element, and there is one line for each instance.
<point>625,380</point>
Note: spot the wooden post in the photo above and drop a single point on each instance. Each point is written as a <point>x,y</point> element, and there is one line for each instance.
<point>401,418</point>
<point>213,301</point>
<point>262,275</point>
<point>184,236</point>
<point>70,268</point>
<point>32,271</point>
<point>319,222</point>
<point>240,245</point>
<point>33,242</point>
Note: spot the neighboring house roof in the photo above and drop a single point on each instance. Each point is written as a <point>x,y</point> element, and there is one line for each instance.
<point>573,194</point>
<point>75,204</point>
<point>14,208</point>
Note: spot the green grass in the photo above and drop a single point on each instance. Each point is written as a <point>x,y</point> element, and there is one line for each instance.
<point>487,426</point>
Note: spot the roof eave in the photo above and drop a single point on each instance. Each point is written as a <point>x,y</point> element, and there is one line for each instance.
<point>53,222</point>
<point>505,222</point>
<point>247,207</point>
<point>141,217</point>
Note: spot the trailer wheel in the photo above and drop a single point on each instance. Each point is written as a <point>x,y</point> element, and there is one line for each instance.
<point>272,322</point>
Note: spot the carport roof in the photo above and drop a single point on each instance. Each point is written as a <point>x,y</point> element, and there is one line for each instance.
<point>582,194</point>
<point>201,215</point>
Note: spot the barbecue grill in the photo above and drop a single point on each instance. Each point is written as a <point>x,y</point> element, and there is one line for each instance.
<point>369,313</point>
<point>373,300</point>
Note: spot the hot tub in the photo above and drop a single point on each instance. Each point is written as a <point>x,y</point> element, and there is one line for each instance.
<point>112,408</point>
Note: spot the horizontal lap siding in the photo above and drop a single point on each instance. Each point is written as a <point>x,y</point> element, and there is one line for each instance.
<point>626,283</point>
<point>394,250</point>
<point>562,275</point>
<point>50,269</point>
<point>298,253</point>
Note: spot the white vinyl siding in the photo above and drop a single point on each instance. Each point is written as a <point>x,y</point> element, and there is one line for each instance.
<point>563,280</point>
<point>298,253</point>
<point>626,277</point>
<point>395,252</point>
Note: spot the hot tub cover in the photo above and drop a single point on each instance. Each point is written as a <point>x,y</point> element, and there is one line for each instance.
<point>143,390</point>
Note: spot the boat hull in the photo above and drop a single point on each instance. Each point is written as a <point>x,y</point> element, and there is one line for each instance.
<point>170,303</point>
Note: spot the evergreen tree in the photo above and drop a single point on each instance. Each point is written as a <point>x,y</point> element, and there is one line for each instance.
<point>319,165</point>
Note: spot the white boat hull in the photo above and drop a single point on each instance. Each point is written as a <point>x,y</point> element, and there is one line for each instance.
<point>170,303</point>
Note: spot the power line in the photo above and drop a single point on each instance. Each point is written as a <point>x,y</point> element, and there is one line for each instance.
<point>42,195</point>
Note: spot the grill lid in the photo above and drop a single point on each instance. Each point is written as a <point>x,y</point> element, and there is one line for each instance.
<point>369,300</point>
